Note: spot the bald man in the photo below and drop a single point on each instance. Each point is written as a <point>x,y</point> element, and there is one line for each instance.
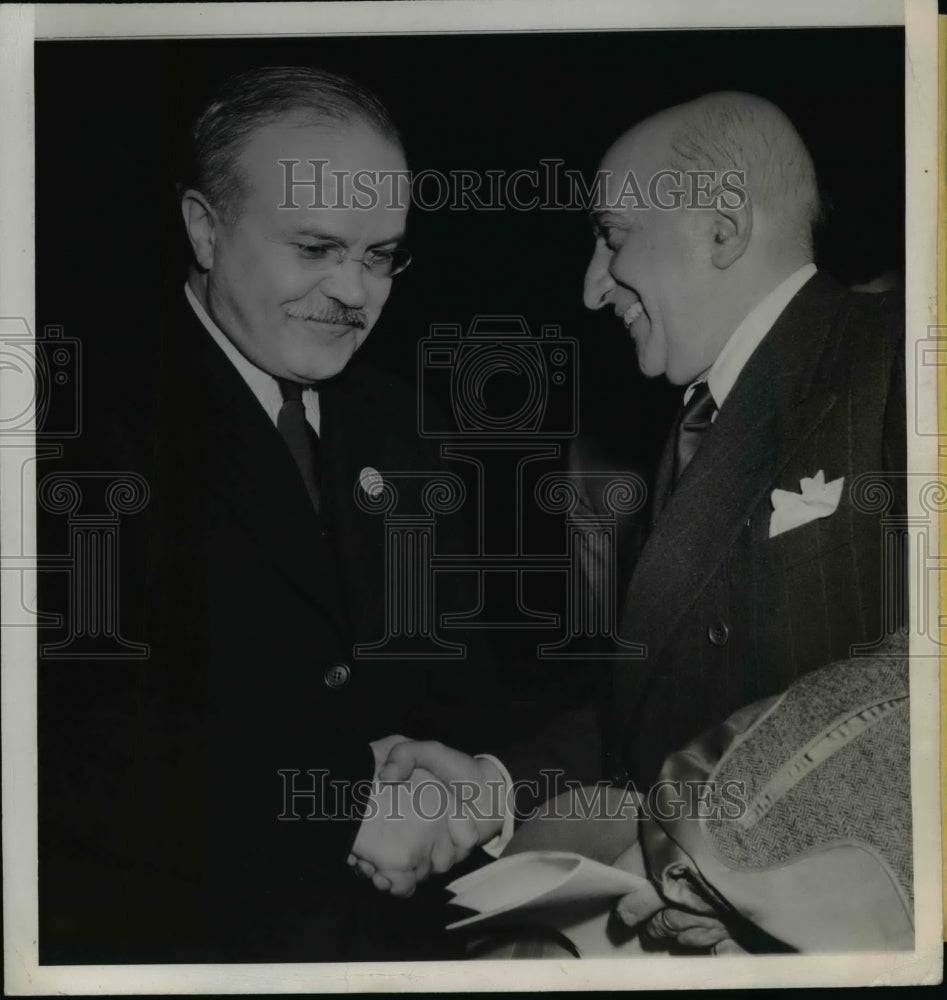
<point>764,558</point>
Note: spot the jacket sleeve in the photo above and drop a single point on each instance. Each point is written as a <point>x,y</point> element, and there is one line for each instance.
<point>567,750</point>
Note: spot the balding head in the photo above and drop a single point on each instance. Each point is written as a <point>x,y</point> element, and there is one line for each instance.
<point>734,131</point>
<point>685,273</point>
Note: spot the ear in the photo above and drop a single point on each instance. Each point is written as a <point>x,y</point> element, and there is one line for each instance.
<point>200,222</point>
<point>730,232</point>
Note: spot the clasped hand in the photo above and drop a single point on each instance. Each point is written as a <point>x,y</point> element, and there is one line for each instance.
<point>663,923</point>
<point>431,806</point>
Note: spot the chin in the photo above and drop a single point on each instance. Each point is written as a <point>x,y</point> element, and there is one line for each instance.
<point>325,371</point>
<point>677,376</point>
<point>330,363</point>
<point>650,367</point>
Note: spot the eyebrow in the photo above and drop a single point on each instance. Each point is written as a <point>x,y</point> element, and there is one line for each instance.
<point>319,234</point>
<point>597,220</point>
<point>599,215</point>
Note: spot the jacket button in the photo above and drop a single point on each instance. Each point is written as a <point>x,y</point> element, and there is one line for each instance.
<point>621,776</point>
<point>338,675</point>
<point>718,633</point>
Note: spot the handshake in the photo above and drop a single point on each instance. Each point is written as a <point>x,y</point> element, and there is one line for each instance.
<point>430,807</point>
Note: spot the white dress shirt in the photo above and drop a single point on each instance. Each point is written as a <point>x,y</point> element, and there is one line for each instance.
<point>263,386</point>
<point>495,846</point>
<point>724,372</point>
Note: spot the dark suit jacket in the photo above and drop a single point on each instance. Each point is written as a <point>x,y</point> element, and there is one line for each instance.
<point>727,614</point>
<point>160,835</point>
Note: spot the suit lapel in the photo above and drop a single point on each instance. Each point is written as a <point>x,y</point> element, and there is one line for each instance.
<point>249,469</point>
<point>777,402</point>
<point>663,476</point>
<point>359,431</point>
<point>343,428</point>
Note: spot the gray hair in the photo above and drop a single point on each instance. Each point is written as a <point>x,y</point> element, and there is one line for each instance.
<point>253,98</point>
<point>735,131</point>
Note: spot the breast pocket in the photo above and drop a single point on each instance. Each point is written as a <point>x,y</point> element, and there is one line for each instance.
<point>794,548</point>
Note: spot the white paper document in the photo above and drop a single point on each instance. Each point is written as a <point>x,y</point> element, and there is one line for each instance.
<point>558,889</point>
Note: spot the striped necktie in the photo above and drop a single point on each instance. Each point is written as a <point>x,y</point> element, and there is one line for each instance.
<point>696,419</point>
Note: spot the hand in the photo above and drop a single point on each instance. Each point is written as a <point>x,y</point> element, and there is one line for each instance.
<point>404,835</point>
<point>662,923</point>
<point>477,785</point>
<point>380,749</point>
<point>690,930</point>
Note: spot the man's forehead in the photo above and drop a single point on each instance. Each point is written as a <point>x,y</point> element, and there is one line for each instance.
<point>380,224</point>
<point>344,177</point>
<point>629,163</point>
<point>341,146</point>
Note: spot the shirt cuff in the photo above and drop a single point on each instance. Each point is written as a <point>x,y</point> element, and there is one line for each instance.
<point>497,845</point>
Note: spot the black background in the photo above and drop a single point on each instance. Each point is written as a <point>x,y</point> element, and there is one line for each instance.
<point>111,115</point>
<point>110,118</point>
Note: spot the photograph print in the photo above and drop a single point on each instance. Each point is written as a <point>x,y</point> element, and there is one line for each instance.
<point>477,501</point>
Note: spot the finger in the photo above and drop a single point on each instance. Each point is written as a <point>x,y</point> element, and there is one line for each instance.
<point>463,835</point>
<point>422,870</point>
<point>677,920</point>
<point>381,748</point>
<point>365,868</point>
<point>400,763</point>
<point>380,882</point>
<point>639,905</point>
<point>728,947</point>
<point>350,860</point>
<point>659,928</point>
<point>401,884</point>
<point>443,856</point>
<point>405,757</point>
<point>684,920</point>
<point>702,937</point>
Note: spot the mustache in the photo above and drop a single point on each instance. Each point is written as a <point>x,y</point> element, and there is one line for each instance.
<point>337,316</point>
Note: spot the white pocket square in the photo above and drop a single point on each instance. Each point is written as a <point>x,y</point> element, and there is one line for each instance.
<point>816,499</point>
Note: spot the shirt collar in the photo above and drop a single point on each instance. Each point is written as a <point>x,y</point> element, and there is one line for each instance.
<point>263,386</point>
<point>724,372</point>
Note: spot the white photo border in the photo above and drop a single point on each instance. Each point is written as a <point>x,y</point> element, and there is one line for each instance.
<point>19,26</point>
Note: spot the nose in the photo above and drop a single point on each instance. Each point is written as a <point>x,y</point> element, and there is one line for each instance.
<point>598,279</point>
<point>346,284</point>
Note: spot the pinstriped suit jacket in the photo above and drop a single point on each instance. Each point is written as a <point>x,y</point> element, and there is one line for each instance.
<point>727,614</point>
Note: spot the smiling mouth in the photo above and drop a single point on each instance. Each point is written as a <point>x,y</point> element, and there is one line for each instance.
<point>632,313</point>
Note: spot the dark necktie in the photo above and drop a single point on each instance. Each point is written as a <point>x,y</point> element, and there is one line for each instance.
<point>300,438</point>
<point>695,421</point>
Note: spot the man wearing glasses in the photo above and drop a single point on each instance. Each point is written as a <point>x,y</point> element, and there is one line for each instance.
<point>246,769</point>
